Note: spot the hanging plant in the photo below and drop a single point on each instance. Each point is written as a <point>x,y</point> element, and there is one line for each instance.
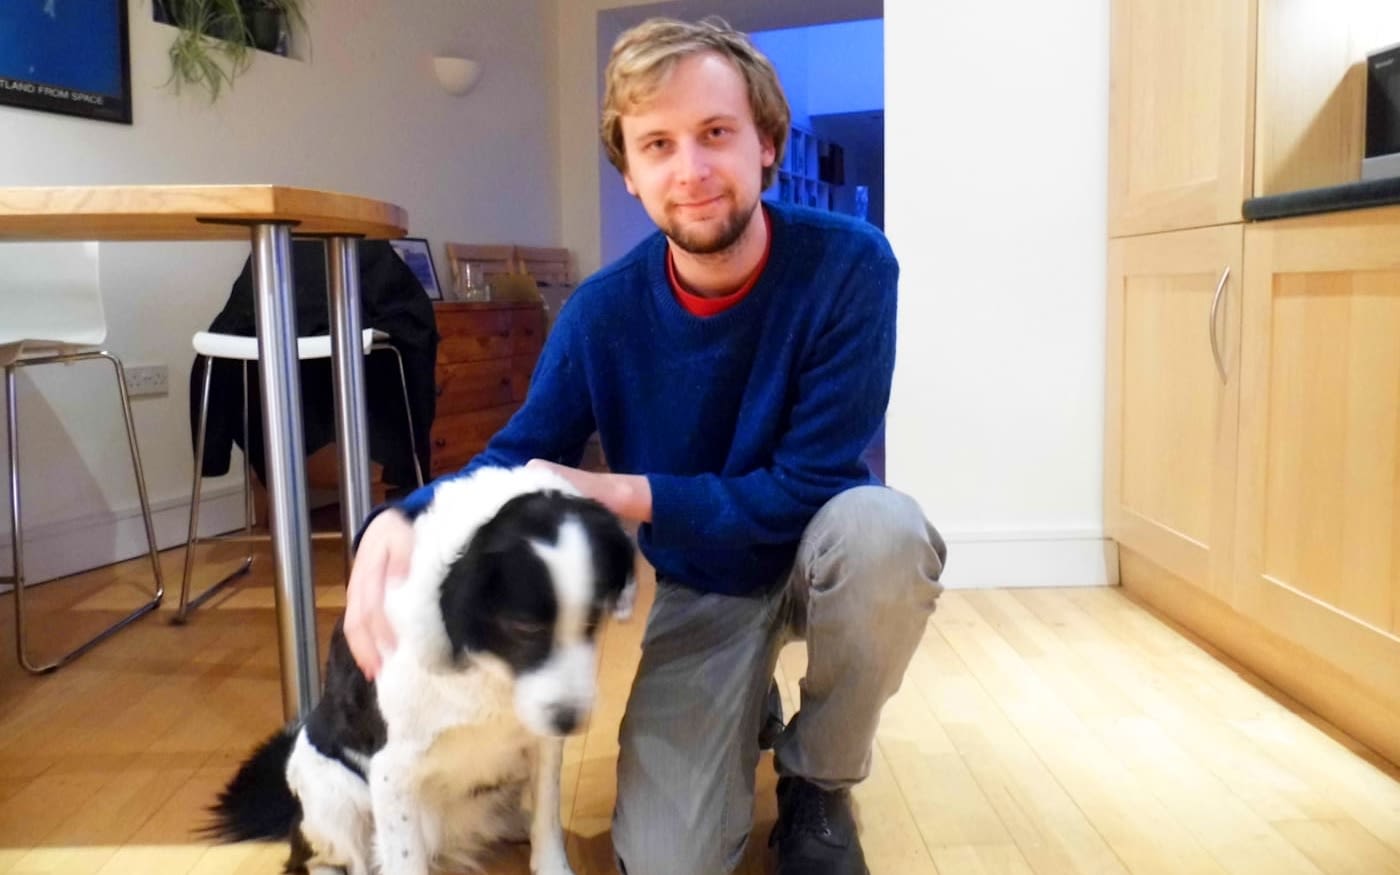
<point>214,38</point>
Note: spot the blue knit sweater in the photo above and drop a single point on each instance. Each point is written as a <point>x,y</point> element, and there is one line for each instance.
<point>746,422</point>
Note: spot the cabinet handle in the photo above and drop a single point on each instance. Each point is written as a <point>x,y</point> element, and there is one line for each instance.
<point>1214,312</point>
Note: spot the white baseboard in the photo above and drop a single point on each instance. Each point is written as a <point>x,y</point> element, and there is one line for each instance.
<point>1006,558</point>
<point>82,543</point>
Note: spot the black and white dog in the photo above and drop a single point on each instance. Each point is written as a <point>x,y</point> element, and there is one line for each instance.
<point>458,741</point>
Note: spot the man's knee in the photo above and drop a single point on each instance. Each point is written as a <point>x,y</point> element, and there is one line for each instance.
<point>874,529</point>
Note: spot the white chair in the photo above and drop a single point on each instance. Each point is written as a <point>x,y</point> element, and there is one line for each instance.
<point>211,346</point>
<point>51,312</point>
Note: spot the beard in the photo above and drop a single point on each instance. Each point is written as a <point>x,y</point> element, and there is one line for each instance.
<point>713,237</point>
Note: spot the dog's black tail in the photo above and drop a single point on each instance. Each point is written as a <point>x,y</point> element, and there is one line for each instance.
<point>257,803</point>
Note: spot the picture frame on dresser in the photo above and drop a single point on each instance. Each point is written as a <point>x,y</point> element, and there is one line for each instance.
<point>418,255</point>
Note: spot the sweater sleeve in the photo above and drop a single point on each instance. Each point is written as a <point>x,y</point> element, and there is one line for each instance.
<point>554,423</point>
<point>842,390</point>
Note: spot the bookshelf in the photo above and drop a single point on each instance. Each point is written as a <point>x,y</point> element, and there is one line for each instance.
<point>810,171</point>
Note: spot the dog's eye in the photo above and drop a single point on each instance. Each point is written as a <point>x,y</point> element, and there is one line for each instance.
<point>524,628</point>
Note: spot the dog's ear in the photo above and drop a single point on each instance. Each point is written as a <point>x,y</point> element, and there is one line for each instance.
<point>613,552</point>
<point>466,589</point>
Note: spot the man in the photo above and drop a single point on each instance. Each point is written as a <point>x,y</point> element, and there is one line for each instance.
<point>735,366</point>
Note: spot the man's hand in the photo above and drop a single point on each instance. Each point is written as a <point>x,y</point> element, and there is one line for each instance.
<point>382,561</point>
<point>627,495</point>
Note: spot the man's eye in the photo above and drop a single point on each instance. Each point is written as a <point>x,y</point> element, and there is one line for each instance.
<point>654,146</point>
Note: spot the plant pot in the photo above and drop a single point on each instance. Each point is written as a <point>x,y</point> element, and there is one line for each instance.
<point>267,28</point>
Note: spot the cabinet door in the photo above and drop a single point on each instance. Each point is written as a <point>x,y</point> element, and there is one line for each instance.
<point>1173,400</point>
<point>1318,532</point>
<point>1181,113</point>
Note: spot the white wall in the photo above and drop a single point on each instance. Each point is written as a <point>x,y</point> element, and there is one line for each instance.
<point>579,156</point>
<point>996,149</point>
<point>362,114</point>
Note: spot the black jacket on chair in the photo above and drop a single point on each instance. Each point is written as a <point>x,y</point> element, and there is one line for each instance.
<point>391,300</point>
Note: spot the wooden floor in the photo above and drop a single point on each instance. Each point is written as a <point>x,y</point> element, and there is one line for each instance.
<point>1038,731</point>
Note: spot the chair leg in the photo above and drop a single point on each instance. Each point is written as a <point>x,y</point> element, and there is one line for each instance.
<point>192,537</point>
<point>408,411</point>
<point>16,529</point>
<point>250,511</point>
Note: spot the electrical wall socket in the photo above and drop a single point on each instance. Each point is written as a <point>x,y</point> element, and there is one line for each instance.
<point>143,380</point>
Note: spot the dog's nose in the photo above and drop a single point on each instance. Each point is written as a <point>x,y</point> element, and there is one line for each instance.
<point>565,719</point>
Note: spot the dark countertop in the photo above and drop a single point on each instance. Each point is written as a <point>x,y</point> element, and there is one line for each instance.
<point>1331,199</point>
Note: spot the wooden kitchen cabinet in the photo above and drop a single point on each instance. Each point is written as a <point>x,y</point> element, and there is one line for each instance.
<point>1173,397</point>
<point>1181,113</point>
<point>1253,488</point>
<point>1318,532</point>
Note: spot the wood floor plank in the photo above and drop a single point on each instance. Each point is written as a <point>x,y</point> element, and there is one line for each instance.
<point>1228,828</point>
<point>249,858</point>
<point>940,793</point>
<point>1342,847</point>
<point>1079,762</point>
<point>889,830</point>
<point>981,860</point>
<point>61,860</point>
<point>1044,821</point>
<point>1272,789</point>
<point>1331,780</point>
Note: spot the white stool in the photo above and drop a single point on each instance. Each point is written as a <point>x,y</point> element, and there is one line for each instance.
<point>50,313</point>
<point>237,347</point>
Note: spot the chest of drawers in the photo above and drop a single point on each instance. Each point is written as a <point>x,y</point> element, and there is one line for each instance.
<point>484,361</point>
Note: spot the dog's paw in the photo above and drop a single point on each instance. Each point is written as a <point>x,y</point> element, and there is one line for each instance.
<point>626,601</point>
<point>552,867</point>
<point>549,861</point>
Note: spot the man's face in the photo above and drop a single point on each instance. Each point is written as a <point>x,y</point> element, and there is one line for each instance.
<point>695,158</point>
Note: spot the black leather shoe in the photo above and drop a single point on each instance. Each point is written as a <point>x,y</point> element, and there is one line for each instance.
<point>773,725</point>
<point>816,831</point>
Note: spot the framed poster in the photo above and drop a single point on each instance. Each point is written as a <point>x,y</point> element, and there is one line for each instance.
<point>416,253</point>
<point>66,56</point>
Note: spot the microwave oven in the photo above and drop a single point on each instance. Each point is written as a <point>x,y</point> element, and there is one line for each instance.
<point>1382,156</point>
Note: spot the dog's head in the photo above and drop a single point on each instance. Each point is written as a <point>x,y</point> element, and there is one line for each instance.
<point>528,594</point>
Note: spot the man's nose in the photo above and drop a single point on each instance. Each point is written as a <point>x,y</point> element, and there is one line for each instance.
<point>693,163</point>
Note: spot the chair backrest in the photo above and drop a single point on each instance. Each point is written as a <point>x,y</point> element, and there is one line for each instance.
<point>549,266</point>
<point>50,295</point>
<point>493,261</point>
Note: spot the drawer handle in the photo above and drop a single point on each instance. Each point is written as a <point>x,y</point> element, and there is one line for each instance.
<point>440,389</point>
<point>1214,312</point>
<point>439,442</point>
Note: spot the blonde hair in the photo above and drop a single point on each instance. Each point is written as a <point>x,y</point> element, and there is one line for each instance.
<point>644,56</point>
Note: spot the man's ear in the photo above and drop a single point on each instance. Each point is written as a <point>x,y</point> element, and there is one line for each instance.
<point>627,181</point>
<point>770,152</point>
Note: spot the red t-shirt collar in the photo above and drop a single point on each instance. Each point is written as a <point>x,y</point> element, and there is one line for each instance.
<point>697,305</point>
